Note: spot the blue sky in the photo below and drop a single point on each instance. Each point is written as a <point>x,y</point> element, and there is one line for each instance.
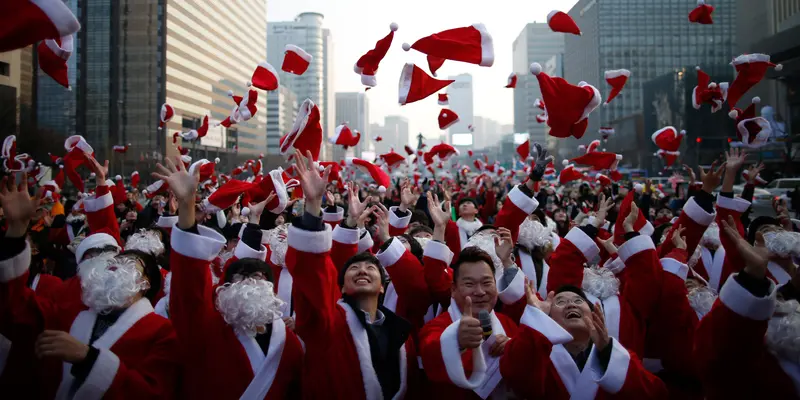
<point>357,24</point>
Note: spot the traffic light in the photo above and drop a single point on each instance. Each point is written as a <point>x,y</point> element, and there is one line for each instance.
<point>699,140</point>
<point>730,140</point>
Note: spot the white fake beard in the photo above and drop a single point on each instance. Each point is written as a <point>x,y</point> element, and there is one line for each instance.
<point>105,290</point>
<point>710,239</point>
<point>701,298</point>
<point>696,256</point>
<point>533,234</point>
<point>783,331</point>
<point>87,266</point>
<point>224,256</point>
<point>600,282</point>
<point>278,246</point>
<point>248,305</point>
<point>782,243</point>
<point>485,241</point>
<point>423,241</point>
<point>469,227</point>
<point>168,284</point>
<point>551,225</point>
<point>73,218</point>
<point>146,241</point>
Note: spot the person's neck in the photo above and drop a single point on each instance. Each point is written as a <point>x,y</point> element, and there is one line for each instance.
<point>468,218</point>
<point>368,304</point>
<point>576,347</point>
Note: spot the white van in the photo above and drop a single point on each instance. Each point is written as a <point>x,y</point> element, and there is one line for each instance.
<point>780,187</point>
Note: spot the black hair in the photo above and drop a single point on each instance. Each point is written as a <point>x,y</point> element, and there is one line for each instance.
<point>757,224</point>
<point>468,200</point>
<point>365,256</point>
<point>659,232</point>
<point>247,267</point>
<point>69,205</point>
<point>231,231</point>
<point>416,248</point>
<point>420,228</point>
<point>471,254</point>
<point>151,271</point>
<point>485,227</point>
<point>421,217</point>
<point>576,290</point>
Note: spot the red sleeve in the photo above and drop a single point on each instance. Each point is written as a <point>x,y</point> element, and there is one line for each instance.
<point>100,213</point>
<point>191,303</point>
<point>408,278</point>
<point>489,205</point>
<point>695,220</point>
<point>438,275</point>
<point>452,237</point>
<point>443,360</point>
<point>516,208</point>
<point>345,245</point>
<point>566,263</point>
<point>641,277</point>
<point>733,207</point>
<point>315,290</point>
<point>333,218</point>
<point>675,321</point>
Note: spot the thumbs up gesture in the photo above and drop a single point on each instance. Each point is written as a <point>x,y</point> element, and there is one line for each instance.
<point>470,333</point>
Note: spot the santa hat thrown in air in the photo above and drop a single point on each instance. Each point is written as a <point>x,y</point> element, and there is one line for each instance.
<point>512,81</point>
<point>568,106</point>
<point>541,118</point>
<point>444,151</point>
<point>470,44</point>
<point>669,157</point>
<point>167,112</point>
<point>279,183</point>
<point>668,138</point>
<point>135,179</point>
<point>53,55</point>
<point>615,175</point>
<point>295,60</point>
<point>121,149</point>
<point>367,65</point>
<point>443,101</point>
<point>750,69</point>
<point>569,174</point>
<point>378,175</point>
<point>416,85</point>
<point>306,134</point>
<point>344,136</point>
<point>392,159</point>
<point>195,134</point>
<point>226,195</point>
<point>27,22</point>
<point>265,77</point>
<point>606,131</point>
<point>409,150</point>
<point>156,188</point>
<point>377,138</point>
<point>77,150</point>
<point>524,150</point>
<point>702,13</point>
<point>752,131</point>
<point>616,79</point>
<point>759,180</point>
<point>434,63</point>
<point>538,103</point>
<point>598,160</point>
<point>559,21</point>
<point>707,92</point>
<point>642,225</point>
<point>447,118</point>
<point>204,167</point>
<point>603,180</point>
<point>12,162</point>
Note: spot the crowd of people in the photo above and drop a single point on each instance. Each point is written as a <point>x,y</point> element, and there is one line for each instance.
<point>498,287</point>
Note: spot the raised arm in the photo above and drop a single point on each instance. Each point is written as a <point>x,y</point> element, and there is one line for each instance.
<point>100,208</point>
<point>566,263</point>
<point>437,255</point>
<point>521,200</point>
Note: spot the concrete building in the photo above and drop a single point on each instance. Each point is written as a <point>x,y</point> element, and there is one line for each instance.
<point>10,76</point>
<point>650,39</point>
<point>282,107</point>
<point>316,83</point>
<point>486,132</point>
<point>536,43</point>
<point>353,108</point>
<point>394,132</point>
<point>460,96</point>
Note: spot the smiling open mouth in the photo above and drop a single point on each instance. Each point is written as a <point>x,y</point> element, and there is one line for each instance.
<point>572,315</point>
<point>360,281</point>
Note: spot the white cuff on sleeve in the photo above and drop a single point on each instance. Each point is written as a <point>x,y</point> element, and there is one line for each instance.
<point>392,254</point>
<point>310,242</point>
<point>742,302</point>
<point>204,246</point>
<point>438,251</point>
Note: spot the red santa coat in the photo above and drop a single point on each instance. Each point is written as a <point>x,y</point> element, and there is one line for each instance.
<point>219,362</point>
<point>628,313</point>
<point>453,375</point>
<point>137,358</point>
<point>337,345</point>
<point>537,366</point>
<point>283,283</point>
<point>100,213</point>
<point>695,220</point>
<point>407,294</point>
<point>731,356</point>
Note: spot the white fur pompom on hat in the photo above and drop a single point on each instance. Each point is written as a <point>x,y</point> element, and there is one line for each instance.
<point>565,162</point>
<point>393,26</point>
<point>406,47</point>
<point>245,211</point>
<point>536,68</point>
<point>381,189</point>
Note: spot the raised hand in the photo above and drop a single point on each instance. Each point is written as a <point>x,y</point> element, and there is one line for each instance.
<point>504,246</point>
<point>533,299</point>
<point>408,197</point>
<point>753,171</point>
<point>690,172</point>
<point>256,209</point>
<point>734,159</point>
<point>355,206</point>
<point>712,177</point>
<point>499,345</point>
<point>329,199</point>
<point>362,219</point>
<point>755,258</point>
<point>382,222</point>
<point>631,218</point>
<point>439,216</point>
<point>607,244</point>
<point>540,161</point>
<point>61,346</point>
<point>470,333</point>
<point>605,205</point>
<point>181,184</point>
<point>314,186</point>
<point>597,323</point>
<point>678,240</point>
<point>18,207</point>
<point>100,171</point>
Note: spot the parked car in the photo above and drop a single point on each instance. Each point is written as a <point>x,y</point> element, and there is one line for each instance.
<point>780,187</point>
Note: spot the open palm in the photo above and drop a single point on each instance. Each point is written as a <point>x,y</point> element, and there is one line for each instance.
<point>180,182</point>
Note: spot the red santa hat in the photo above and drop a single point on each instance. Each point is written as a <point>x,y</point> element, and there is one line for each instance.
<point>12,162</point>
<point>247,106</point>
<point>155,188</point>
<point>226,195</point>
<point>265,77</point>
<point>194,134</point>
<point>479,164</point>
<point>443,101</point>
<point>598,160</point>
<point>409,150</point>
<point>135,179</point>
<point>334,176</point>
<point>53,55</point>
<point>641,225</point>
<point>167,112</point>
<point>568,106</point>
<point>434,63</point>
<point>27,22</point>
<point>603,180</point>
<point>121,148</point>
<point>51,189</point>
<point>702,13</point>
<point>615,175</point>
<point>524,150</point>
<point>669,157</point>
<point>280,183</point>
<point>594,145</point>
<point>759,180</point>
<point>77,149</point>
<point>447,118</point>
<point>377,138</point>
<point>367,65</point>
<point>205,168</point>
<point>306,134</point>
<point>541,118</point>
<point>416,85</point>
<point>668,138</point>
<point>616,79</point>
<point>750,69</point>
<point>392,159</point>
<point>707,92</point>
<point>444,151</point>
<point>559,21</point>
<point>538,103</point>
<point>295,60</point>
<point>606,131</point>
<point>569,174</point>
<point>512,81</point>
<point>470,44</point>
<point>751,130</point>
<point>470,153</point>
<point>344,136</point>
<point>378,175</point>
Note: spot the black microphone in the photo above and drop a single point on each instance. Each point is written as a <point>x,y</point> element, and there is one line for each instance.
<point>486,323</point>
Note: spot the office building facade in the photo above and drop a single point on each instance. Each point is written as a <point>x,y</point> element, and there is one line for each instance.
<point>282,107</point>
<point>353,108</point>
<point>536,43</point>
<point>316,83</point>
<point>460,97</point>
<point>394,132</point>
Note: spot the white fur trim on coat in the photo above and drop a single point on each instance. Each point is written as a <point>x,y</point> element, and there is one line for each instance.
<point>737,204</point>
<point>515,289</point>
<point>398,222</point>
<point>522,201</point>
<point>635,246</point>
<point>537,320</point>
<point>697,213</point>
<point>614,378</point>
<point>391,254</point>
<point>92,204</point>
<point>242,250</point>
<point>583,242</point>
<point>675,267</point>
<point>334,216</point>
<point>16,266</point>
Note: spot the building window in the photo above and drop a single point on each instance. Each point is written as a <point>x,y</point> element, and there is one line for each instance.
<point>5,69</point>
